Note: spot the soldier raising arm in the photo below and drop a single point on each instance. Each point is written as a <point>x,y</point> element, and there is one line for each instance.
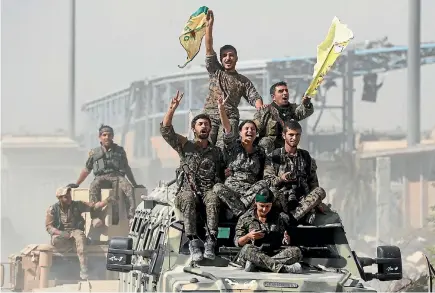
<point>225,80</point>
<point>270,120</point>
<point>203,161</point>
<point>245,163</point>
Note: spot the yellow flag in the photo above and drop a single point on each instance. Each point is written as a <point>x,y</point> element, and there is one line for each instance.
<point>328,51</point>
<point>193,33</point>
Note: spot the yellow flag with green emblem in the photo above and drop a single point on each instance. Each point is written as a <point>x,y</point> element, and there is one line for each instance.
<point>339,36</point>
<point>193,33</point>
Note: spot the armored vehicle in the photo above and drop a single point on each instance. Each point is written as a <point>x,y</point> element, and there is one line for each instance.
<point>39,267</point>
<point>155,257</point>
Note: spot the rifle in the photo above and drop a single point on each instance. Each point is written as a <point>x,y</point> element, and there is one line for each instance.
<point>189,179</point>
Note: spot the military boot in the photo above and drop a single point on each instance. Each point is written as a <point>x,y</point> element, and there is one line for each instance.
<point>209,247</point>
<point>84,273</point>
<point>195,250</point>
<point>295,268</point>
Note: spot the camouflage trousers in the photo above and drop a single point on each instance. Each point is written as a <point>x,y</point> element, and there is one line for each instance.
<point>188,203</point>
<point>116,181</point>
<point>326,217</point>
<point>305,206</point>
<point>238,201</point>
<point>270,143</point>
<point>77,241</point>
<point>252,253</point>
<point>217,130</point>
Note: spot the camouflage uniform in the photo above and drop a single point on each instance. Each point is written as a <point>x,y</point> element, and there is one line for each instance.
<point>110,166</point>
<point>241,186</point>
<point>69,220</point>
<point>205,167</point>
<point>269,122</point>
<point>274,233</point>
<point>232,85</point>
<point>300,197</point>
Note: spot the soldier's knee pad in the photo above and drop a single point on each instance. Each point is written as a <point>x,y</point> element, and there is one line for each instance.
<point>320,192</point>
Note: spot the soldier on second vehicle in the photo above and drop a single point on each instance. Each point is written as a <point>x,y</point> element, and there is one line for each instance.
<point>245,162</point>
<point>292,176</point>
<point>226,81</point>
<point>270,119</point>
<point>109,164</point>
<point>66,226</point>
<point>261,232</point>
<point>204,163</point>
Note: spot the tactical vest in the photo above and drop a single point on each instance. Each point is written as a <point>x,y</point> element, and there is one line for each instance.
<point>78,220</point>
<point>108,162</point>
<point>302,167</point>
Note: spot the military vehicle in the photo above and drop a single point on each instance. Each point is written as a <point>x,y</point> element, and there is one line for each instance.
<point>155,257</point>
<point>39,267</point>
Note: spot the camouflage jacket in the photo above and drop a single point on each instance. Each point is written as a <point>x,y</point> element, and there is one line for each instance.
<point>206,165</point>
<point>269,120</point>
<point>67,219</point>
<point>113,160</point>
<point>302,166</point>
<point>230,84</point>
<point>246,169</point>
<point>274,227</point>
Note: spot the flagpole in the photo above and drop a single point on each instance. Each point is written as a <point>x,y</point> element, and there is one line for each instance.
<point>71,69</point>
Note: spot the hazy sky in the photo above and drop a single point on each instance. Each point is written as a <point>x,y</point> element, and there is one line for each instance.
<point>122,41</point>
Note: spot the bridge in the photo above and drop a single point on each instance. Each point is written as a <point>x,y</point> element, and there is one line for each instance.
<point>138,109</point>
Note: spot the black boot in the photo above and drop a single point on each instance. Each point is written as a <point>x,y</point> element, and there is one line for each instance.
<point>209,247</point>
<point>195,249</point>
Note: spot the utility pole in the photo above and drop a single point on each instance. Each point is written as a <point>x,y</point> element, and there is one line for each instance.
<point>72,81</point>
<point>413,101</point>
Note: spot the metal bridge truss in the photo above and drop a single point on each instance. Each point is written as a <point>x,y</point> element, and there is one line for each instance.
<point>140,108</point>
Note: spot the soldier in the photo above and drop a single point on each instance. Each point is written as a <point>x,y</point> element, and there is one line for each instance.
<point>109,164</point>
<point>225,80</point>
<point>291,174</point>
<point>245,163</point>
<point>260,232</point>
<point>65,224</point>
<point>204,163</point>
<point>270,119</point>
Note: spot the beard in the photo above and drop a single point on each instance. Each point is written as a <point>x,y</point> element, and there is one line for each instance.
<point>203,135</point>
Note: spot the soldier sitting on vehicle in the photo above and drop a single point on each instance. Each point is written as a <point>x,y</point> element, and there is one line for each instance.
<point>109,164</point>
<point>203,161</point>
<point>261,232</point>
<point>245,162</point>
<point>65,224</point>
<point>291,174</point>
<point>270,119</point>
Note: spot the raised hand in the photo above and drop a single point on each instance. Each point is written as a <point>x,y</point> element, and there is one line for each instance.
<point>210,18</point>
<point>221,101</point>
<point>175,101</point>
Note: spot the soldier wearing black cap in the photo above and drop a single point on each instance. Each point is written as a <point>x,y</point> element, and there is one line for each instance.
<point>260,232</point>
<point>109,164</point>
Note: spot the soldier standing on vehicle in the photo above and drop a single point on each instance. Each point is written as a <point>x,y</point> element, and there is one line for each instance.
<point>261,232</point>
<point>109,164</point>
<point>226,81</point>
<point>204,163</point>
<point>65,224</point>
<point>270,119</point>
<point>292,176</point>
<point>245,163</point>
